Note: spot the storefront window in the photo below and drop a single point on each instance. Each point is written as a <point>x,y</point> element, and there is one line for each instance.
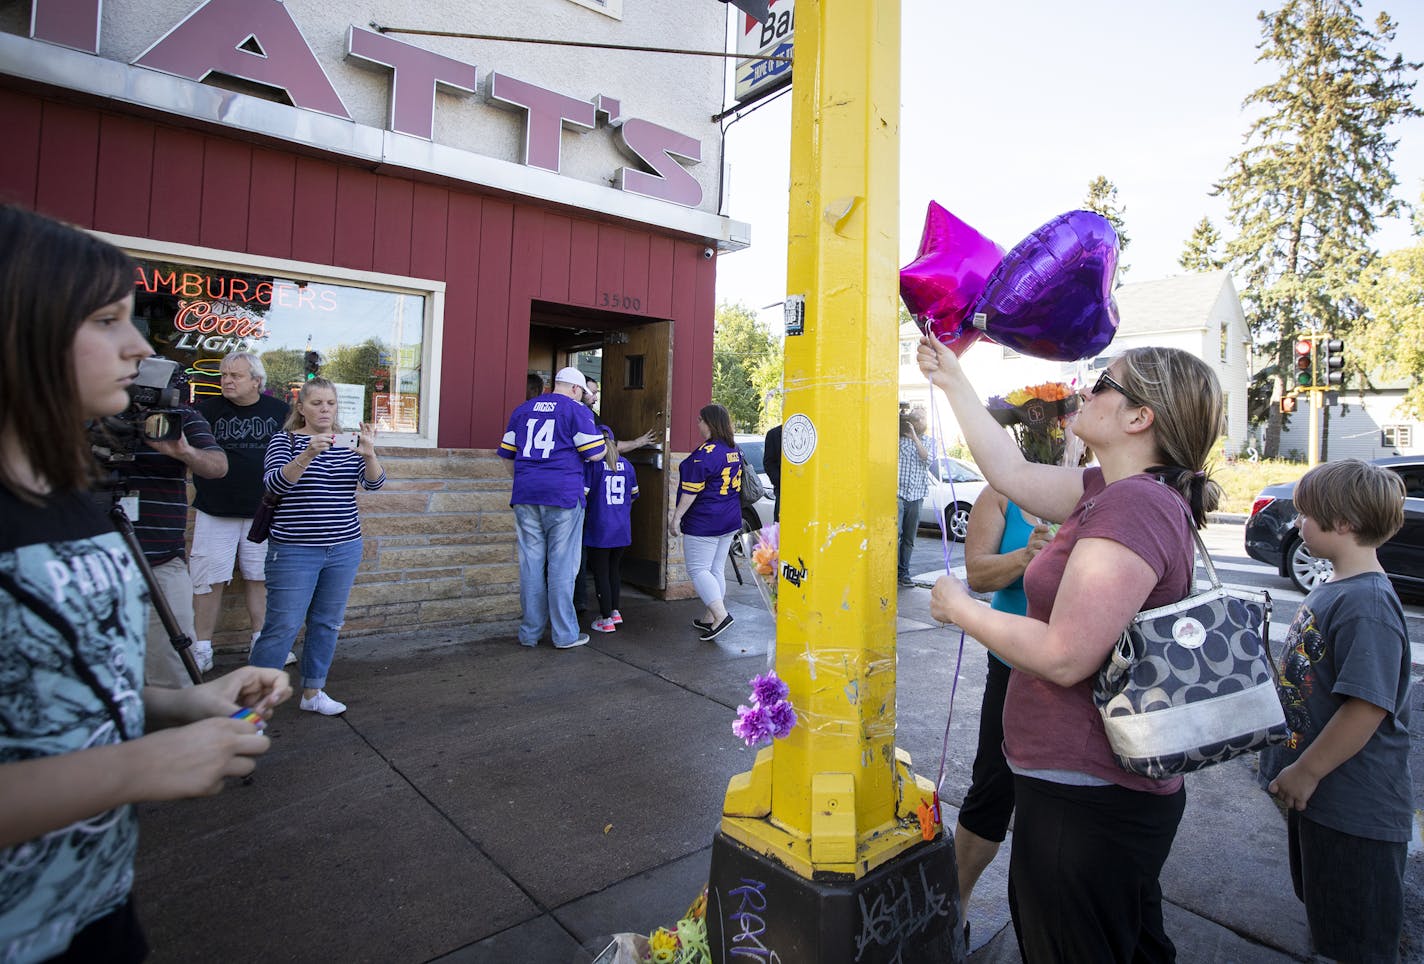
<point>370,341</point>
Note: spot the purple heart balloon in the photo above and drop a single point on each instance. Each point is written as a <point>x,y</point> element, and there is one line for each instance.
<point>947,276</point>
<point>1051,296</point>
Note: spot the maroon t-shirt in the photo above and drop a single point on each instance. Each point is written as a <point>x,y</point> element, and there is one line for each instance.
<point>1050,727</point>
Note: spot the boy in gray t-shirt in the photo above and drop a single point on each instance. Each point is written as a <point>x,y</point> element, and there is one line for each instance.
<point>1344,773</point>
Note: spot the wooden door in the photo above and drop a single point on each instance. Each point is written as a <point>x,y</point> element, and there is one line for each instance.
<point>636,396</point>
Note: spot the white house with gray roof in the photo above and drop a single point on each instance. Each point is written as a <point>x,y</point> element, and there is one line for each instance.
<point>1198,313</point>
<point>1362,424</point>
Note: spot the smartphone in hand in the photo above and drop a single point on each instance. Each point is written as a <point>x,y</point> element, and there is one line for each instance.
<point>345,440</point>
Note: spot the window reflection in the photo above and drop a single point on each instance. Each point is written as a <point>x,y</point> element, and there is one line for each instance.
<point>371,341</point>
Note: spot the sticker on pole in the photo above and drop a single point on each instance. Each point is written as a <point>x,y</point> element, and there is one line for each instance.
<point>798,439</point>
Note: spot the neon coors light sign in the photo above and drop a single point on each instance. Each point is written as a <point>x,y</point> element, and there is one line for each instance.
<point>258,41</point>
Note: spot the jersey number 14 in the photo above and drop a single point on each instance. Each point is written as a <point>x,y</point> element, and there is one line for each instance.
<point>539,434</point>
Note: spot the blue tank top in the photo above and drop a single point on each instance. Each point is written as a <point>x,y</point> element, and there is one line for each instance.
<point>1011,598</point>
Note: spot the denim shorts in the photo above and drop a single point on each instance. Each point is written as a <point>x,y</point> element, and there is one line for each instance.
<point>1353,889</point>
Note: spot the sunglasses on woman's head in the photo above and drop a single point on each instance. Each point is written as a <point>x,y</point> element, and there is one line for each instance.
<point>1106,381</point>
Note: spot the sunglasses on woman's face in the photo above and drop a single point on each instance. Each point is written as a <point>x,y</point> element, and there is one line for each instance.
<point>1106,381</point>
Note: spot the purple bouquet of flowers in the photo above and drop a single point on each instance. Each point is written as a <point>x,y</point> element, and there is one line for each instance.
<point>770,716</point>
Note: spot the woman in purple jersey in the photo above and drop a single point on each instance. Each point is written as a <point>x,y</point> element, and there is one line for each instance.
<point>608,526</point>
<point>315,545</point>
<point>709,513</point>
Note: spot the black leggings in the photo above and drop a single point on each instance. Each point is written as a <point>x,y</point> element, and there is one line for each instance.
<point>1083,874</point>
<point>607,568</point>
<point>989,802</point>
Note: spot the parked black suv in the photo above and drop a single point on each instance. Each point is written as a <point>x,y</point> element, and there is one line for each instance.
<point>1272,536</point>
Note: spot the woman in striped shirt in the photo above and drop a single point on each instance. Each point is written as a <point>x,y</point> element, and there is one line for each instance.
<point>315,544</point>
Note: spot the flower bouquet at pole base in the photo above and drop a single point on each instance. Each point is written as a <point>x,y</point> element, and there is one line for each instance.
<point>683,943</point>
<point>763,548</point>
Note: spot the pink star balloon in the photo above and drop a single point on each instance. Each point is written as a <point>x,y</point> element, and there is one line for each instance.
<point>942,284</point>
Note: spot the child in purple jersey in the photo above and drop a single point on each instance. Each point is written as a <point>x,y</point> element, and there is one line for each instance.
<point>612,486</point>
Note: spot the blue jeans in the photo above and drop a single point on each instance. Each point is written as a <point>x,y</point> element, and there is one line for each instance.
<point>550,540</point>
<point>909,525</point>
<point>306,584</point>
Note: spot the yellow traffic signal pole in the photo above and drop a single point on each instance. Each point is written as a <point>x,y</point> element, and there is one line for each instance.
<point>824,827</point>
<point>1312,457</point>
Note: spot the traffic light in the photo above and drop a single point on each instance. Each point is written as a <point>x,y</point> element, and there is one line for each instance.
<point>1332,362</point>
<point>1288,404</point>
<point>311,364</point>
<point>1305,363</point>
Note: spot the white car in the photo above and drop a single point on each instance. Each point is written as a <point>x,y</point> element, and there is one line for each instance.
<point>954,485</point>
<point>953,488</point>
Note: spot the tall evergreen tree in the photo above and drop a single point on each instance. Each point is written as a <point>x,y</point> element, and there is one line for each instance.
<point>1202,250</point>
<point>1102,198</point>
<point>1315,177</point>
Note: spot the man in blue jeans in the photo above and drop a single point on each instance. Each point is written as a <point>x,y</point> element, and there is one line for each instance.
<point>914,483</point>
<point>549,438</point>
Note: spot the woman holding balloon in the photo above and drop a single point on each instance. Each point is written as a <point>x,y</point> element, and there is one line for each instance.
<point>1090,838</point>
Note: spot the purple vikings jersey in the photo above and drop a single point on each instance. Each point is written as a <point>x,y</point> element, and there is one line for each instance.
<point>549,438</point>
<point>713,473</point>
<point>608,523</point>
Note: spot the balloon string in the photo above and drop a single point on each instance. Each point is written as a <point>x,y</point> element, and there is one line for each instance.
<point>937,452</point>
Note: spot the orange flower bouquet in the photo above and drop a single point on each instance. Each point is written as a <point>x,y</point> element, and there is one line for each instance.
<point>763,548</point>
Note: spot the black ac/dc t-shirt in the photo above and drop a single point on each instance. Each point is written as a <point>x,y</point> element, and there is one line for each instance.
<point>243,432</point>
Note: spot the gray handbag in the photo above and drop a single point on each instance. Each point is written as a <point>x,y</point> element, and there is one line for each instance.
<point>1192,683</point>
<point>752,490</point>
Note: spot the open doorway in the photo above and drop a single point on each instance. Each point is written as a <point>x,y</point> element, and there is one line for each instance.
<point>631,357</point>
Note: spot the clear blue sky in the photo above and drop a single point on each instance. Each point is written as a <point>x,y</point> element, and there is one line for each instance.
<point>1009,109</point>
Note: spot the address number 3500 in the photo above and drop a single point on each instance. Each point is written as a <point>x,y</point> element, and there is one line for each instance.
<point>611,299</point>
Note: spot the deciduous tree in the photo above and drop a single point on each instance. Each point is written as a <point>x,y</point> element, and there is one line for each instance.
<point>1387,342</point>
<point>746,360</point>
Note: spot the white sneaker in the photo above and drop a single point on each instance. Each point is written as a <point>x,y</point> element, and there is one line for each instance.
<point>203,655</point>
<point>323,704</point>
<point>291,658</point>
<point>581,641</point>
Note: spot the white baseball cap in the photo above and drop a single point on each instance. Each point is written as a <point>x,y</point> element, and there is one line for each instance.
<point>572,376</point>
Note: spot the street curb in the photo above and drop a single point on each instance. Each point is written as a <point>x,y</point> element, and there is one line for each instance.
<point>1227,518</point>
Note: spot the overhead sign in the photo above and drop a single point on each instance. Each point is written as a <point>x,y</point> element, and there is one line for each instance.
<point>261,42</point>
<point>755,41</point>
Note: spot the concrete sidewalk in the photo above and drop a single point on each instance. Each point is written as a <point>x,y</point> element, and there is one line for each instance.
<point>485,802</point>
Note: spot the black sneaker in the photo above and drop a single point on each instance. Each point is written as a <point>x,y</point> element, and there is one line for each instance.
<point>714,631</point>
<point>701,624</point>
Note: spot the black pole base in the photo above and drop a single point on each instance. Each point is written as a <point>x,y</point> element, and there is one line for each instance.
<point>905,911</point>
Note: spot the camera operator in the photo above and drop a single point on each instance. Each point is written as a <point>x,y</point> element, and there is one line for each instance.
<point>914,461</point>
<point>158,476</point>
<point>243,421</point>
<point>80,737</point>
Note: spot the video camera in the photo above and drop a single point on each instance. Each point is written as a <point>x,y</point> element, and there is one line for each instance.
<point>155,398</point>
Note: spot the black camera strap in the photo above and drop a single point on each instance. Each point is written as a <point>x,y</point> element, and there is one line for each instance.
<point>60,625</point>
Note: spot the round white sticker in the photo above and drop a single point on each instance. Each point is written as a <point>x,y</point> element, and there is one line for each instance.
<point>1189,632</point>
<point>798,439</point>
